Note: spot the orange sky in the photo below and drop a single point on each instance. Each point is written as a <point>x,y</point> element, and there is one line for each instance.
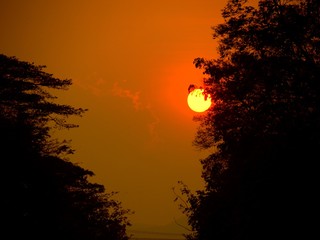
<point>131,65</point>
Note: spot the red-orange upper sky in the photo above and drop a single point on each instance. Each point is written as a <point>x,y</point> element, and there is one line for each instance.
<point>131,65</point>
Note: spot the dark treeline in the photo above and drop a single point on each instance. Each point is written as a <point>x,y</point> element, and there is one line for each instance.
<point>43,194</point>
<point>262,180</point>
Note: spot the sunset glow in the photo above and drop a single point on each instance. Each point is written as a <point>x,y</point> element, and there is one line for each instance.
<point>130,63</point>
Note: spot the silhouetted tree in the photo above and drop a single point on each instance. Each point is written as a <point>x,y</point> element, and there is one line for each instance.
<point>261,179</point>
<point>44,195</point>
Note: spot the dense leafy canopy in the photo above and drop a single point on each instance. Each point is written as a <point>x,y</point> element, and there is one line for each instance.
<point>44,195</point>
<point>264,125</point>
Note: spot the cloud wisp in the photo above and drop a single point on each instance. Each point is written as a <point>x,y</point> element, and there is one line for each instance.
<point>142,106</point>
<point>127,93</point>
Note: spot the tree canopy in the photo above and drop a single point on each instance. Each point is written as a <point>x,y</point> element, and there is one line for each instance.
<point>264,124</point>
<point>44,194</point>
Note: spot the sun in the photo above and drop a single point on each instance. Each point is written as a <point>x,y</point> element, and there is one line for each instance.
<point>198,101</point>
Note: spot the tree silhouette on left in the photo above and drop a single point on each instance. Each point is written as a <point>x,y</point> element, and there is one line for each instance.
<point>44,195</point>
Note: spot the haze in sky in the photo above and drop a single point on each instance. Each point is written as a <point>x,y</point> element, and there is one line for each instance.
<point>131,63</point>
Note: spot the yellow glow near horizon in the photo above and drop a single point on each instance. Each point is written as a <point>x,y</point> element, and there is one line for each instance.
<point>197,100</point>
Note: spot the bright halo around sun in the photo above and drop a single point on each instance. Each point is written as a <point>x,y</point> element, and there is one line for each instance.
<point>198,101</point>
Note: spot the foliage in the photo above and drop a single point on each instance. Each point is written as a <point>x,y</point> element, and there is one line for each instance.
<point>45,196</point>
<point>264,123</point>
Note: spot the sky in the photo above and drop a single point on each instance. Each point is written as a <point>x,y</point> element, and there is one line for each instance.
<point>131,63</point>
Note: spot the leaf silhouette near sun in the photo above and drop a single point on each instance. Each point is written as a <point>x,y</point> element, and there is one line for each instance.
<point>198,100</point>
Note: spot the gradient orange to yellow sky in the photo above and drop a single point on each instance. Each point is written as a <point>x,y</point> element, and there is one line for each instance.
<point>131,65</point>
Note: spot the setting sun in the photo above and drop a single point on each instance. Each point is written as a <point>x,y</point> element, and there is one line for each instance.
<point>198,101</point>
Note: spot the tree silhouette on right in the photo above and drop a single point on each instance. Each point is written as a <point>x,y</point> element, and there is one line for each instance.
<point>261,179</point>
